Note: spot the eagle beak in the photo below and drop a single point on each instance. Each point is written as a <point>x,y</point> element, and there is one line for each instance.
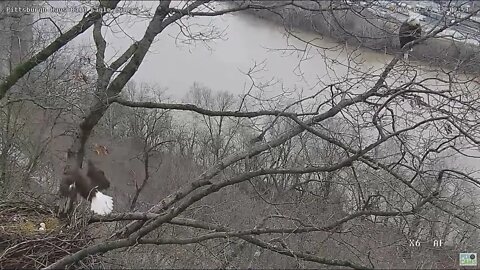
<point>71,187</point>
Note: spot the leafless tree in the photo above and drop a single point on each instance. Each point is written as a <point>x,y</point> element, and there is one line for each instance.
<point>369,154</point>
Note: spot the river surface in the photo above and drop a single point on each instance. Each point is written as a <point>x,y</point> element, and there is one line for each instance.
<point>277,60</point>
<point>245,41</point>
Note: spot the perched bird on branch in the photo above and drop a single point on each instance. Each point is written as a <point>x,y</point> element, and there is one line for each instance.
<point>410,30</point>
<point>88,186</point>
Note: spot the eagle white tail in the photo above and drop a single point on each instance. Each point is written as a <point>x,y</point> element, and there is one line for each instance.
<point>101,204</point>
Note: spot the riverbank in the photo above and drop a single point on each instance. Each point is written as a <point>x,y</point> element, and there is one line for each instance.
<point>363,28</point>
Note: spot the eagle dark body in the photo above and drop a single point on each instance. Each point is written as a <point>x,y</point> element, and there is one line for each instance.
<point>85,184</point>
<point>98,176</point>
<point>409,32</point>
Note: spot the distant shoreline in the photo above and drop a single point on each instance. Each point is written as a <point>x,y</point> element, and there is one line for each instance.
<point>371,31</point>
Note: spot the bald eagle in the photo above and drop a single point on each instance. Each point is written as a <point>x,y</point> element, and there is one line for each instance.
<point>410,30</point>
<point>88,185</point>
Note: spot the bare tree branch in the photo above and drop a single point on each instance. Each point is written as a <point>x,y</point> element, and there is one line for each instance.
<point>194,108</point>
<point>22,69</point>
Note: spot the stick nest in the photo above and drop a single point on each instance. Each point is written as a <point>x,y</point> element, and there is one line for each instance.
<point>25,244</point>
